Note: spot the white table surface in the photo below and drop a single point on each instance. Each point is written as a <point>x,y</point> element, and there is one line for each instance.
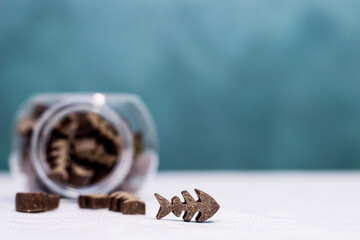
<point>254,205</point>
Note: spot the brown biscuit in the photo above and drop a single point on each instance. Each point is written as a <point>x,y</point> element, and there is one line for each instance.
<point>53,201</point>
<point>205,206</point>
<point>126,203</point>
<point>132,206</point>
<point>96,155</point>
<point>79,175</point>
<point>94,201</point>
<point>33,202</point>
<point>113,203</point>
<point>60,160</point>
<point>116,198</point>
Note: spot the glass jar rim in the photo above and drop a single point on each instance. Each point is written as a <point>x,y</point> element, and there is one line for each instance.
<point>94,103</point>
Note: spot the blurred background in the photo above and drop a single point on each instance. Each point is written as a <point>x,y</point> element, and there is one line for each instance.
<point>231,84</point>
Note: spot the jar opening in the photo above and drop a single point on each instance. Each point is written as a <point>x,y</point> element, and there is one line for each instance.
<point>80,146</point>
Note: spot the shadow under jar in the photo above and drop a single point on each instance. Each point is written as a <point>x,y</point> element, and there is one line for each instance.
<point>73,144</point>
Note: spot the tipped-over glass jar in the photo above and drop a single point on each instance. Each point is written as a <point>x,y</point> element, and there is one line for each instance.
<point>73,144</point>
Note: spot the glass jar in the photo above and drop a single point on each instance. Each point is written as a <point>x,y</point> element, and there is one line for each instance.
<point>73,144</point>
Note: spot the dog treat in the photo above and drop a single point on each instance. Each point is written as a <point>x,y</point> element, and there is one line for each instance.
<point>79,175</point>
<point>59,155</point>
<point>53,201</point>
<point>126,203</point>
<point>33,202</point>
<point>96,154</point>
<point>205,205</point>
<point>105,128</point>
<point>94,201</point>
<point>83,149</point>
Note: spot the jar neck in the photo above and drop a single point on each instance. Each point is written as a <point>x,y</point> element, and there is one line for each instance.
<point>47,123</point>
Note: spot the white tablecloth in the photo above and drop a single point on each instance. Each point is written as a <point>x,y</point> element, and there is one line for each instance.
<point>255,205</point>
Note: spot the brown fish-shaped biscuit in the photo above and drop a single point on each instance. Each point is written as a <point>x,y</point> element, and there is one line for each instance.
<point>205,205</point>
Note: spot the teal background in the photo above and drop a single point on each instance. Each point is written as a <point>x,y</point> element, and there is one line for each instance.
<point>231,84</point>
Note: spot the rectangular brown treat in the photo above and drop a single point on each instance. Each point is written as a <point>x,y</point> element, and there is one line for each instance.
<point>99,201</point>
<point>53,201</point>
<point>113,204</point>
<point>82,201</point>
<point>31,202</point>
<point>132,207</point>
<point>94,201</point>
<point>115,200</point>
<point>127,203</point>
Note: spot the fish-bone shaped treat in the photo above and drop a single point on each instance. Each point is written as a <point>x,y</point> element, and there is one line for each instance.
<point>205,205</point>
<point>126,203</point>
<point>33,202</point>
<point>93,201</point>
<point>60,156</point>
